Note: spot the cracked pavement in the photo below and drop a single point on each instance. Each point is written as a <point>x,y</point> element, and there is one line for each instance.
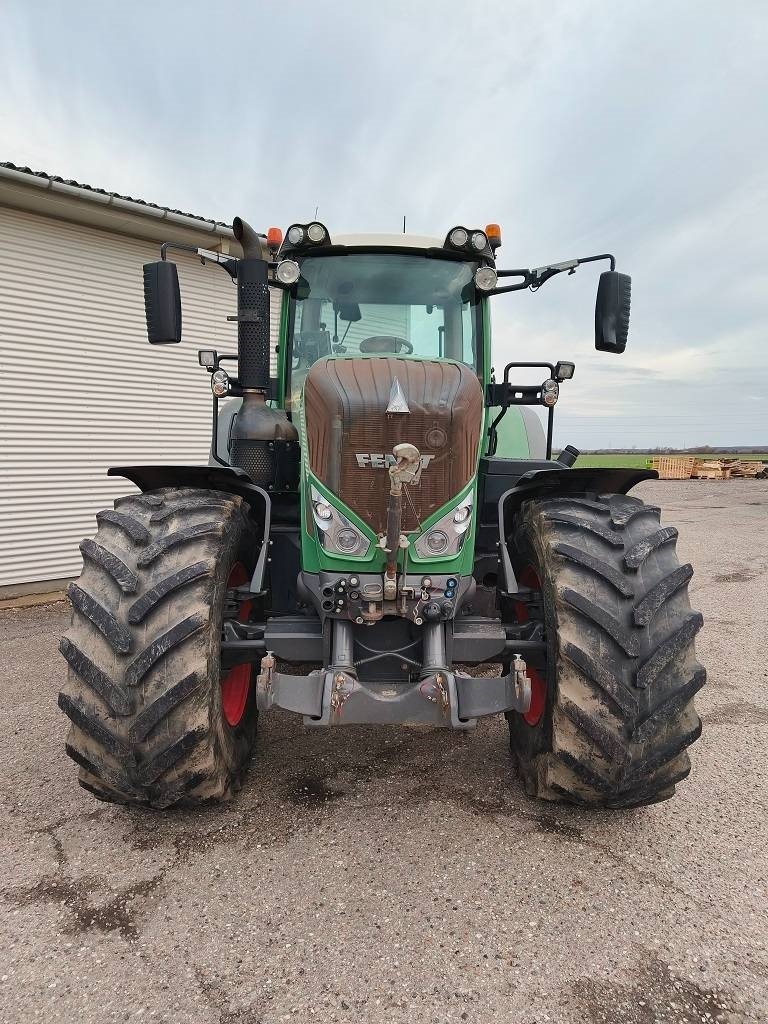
<point>374,874</point>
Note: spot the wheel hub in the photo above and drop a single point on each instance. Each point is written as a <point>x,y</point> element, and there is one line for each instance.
<point>530,578</point>
<point>236,683</point>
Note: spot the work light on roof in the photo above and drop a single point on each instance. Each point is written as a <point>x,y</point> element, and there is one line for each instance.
<point>316,232</point>
<point>469,240</point>
<point>307,235</point>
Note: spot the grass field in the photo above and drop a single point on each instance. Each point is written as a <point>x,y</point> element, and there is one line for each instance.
<point>636,460</point>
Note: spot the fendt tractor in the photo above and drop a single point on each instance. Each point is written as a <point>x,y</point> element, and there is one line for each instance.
<point>380,535</point>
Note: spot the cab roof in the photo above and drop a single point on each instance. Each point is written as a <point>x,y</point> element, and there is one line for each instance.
<point>389,241</point>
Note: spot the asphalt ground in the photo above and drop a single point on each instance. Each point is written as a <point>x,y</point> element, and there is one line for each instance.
<point>392,875</point>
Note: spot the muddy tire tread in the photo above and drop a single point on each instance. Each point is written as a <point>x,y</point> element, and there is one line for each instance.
<point>142,693</point>
<point>622,714</point>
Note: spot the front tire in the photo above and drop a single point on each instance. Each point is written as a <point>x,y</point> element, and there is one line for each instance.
<point>151,722</point>
<point>615,709</point>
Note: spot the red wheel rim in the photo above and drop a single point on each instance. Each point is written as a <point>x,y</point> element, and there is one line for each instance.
<point>530,578</point>
<point>236,684</point>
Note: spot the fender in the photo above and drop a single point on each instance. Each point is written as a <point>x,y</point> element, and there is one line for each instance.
<point>540,483</point>
<point>209,478</point>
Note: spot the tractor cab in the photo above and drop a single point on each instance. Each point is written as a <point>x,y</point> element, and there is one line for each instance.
<point>382,295</point>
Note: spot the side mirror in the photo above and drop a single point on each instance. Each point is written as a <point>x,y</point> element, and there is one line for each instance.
<point>612,311</point>
<point>162,303</point>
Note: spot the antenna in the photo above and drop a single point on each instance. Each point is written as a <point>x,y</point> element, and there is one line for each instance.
<point>316,209</point>
<point>403,223</point>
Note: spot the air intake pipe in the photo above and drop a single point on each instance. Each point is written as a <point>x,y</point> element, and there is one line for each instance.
<point>264,441</point>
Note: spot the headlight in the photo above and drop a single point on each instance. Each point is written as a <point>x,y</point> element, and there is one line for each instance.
<point>436,542</point>
<point>295,235</point>
<point>337,534</point>
<point>347,540</point>
<point>446,537</point>
<point>459,237</point>
<point>288,271</point>
<point>485,278</point>
<point>479,240</point>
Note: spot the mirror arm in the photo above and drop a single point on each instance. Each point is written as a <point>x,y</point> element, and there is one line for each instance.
<point>594,259</point>
<point>228,263</point>
<point>525,274</point>
<point>539,275</point>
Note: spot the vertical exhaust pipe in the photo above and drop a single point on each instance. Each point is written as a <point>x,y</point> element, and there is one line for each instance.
<point>252,309</point>
<point>261,435</point>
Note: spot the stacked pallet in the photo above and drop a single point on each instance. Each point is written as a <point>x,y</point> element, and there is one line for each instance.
<point>685,467</point>
<point>673,467</point>
<point>711,469</point>
<point>747,468</point>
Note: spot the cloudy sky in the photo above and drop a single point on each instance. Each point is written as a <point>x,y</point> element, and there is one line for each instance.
<point>635,128</point>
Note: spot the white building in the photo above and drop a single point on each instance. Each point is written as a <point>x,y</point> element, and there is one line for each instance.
<point>82,389</point>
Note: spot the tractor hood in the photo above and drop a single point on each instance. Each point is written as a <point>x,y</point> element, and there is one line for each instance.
<point>357,410</point>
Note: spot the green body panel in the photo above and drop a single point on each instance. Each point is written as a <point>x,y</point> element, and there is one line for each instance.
<point>512,437</point>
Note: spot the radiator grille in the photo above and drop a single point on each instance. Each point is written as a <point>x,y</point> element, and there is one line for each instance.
<point>346,402</point>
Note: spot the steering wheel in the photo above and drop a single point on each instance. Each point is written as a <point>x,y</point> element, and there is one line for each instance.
<point>383,343</point>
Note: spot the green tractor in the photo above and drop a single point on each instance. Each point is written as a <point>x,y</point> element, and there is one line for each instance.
<point>381,535</point>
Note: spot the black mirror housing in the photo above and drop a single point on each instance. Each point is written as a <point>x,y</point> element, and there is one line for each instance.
<point>612,311</point>
<point>162,303</point>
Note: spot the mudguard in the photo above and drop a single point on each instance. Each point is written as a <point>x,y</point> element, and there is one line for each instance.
<point>548,483</point>
<point>210,478</point>
<point>207,478</point>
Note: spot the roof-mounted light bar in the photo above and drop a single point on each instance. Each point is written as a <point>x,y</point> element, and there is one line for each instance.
<point>469,240</point>
<point>303,236</point>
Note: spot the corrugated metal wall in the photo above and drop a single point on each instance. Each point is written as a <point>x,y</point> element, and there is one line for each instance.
<point>82,390</point>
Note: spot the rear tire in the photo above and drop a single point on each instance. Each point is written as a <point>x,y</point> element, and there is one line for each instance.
<point>616,703</point>
<point>143,689</point>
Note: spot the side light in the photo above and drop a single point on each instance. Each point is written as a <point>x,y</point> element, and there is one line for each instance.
<point>220,383</point>
<point>550,392</point>
<point>207,357</point>
<point>323,512</point>
<point>288,272</point>
<point>485,278</point>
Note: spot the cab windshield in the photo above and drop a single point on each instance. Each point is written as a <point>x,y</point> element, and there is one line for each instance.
<point>382,304</point>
